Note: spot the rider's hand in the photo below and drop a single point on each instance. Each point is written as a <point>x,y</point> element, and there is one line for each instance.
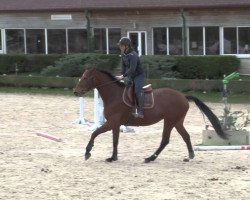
<point>120,77</point>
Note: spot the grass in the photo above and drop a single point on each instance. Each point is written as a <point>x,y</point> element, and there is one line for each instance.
<point>243,98</point>
<point>41,91</point>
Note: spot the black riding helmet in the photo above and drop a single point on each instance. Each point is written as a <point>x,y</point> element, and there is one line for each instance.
<point>124,41</point>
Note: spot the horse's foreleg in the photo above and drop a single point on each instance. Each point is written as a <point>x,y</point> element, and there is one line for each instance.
<point>165,140</point>
<point>186,137</point>
<point>105,127</point>
<point>116,134</point>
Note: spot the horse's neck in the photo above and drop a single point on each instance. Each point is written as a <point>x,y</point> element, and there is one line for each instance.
<point>110,92</point>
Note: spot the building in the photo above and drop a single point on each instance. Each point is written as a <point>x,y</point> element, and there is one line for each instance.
<point>171,27</point>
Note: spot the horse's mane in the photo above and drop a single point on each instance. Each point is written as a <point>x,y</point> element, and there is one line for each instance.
<point>112,77</point>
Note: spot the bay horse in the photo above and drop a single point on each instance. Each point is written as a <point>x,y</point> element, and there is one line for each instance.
<point>169,105</point>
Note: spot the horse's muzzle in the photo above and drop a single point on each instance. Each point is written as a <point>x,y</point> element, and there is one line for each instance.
<point>78,94</point>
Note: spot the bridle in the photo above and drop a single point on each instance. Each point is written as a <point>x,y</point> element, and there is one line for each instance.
<point>92,77</point>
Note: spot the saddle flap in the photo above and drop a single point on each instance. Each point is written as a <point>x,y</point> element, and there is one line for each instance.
<point>129,96</point>
<point>147,88</point>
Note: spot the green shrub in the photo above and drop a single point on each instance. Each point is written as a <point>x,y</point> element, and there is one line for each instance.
<point>159,66</point>
<point>38,81</point>
<point>37,62</point>
<point>73,65</point>
<point>26,63</point>
<point>189,67</point>
<point>202,67</point>
<point>8,63</point>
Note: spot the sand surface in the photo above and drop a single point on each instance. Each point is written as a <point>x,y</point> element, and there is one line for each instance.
<point>36,168</point>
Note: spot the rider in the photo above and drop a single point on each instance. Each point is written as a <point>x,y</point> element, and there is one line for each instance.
<point>131,69</point>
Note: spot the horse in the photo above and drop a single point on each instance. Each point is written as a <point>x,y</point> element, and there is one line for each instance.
<point>169,105</point>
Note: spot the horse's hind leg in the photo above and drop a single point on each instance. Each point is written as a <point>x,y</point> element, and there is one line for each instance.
<point>186,137</point>
<point>165,140</point>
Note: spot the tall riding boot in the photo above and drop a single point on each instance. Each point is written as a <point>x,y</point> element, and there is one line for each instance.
<point>140,98</point>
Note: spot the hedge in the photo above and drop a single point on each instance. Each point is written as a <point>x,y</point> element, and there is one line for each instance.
<point>156,66</point>
<point>206,67</point>
<point>26,63</point>
<point>181,84</point>
<point>73,65</point>
<point>38,81</point>
<point>189,67</point>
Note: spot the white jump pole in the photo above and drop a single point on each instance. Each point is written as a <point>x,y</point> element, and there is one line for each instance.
<point>98,110</point>
<point>99,118</point>
<point>81,119</point>
<point>217,148</point>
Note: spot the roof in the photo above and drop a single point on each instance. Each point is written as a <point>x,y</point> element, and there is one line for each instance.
<point>77,5</point>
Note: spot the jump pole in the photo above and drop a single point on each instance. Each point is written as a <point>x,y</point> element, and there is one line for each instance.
<point>81,119</point>
<point>51,137</point>
<point>98,110</point>
<point>217,148</point>
<point>99,118</point>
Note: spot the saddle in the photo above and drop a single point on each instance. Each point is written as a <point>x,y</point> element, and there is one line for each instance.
<point>129,96</point>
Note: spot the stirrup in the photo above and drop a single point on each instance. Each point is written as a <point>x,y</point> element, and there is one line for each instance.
<point>140,114</point>
<point>137,114</point>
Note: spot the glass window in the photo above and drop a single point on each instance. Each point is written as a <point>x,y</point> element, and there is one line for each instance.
<point>114,37</point>
<point>56,41</point>
<point>212,41</point>
<point>35,39</point>
<point>100,40</point>
<point>230,41</point>
<point>244,40</point>
<point>77,39</point>
<point>175,41</point>
<point>196,40</point>
<point>160,41</point>
<point>15,40</point>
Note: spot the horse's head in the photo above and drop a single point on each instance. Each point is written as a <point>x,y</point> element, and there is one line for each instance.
<point>86,83</point>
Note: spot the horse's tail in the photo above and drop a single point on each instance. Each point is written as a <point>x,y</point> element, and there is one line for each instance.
<point>210,115</point>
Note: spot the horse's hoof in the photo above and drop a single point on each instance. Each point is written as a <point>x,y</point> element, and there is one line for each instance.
<point>191,155</point>
<point>111,159</point>
<point>186,160</point>
<point>147,160</point>
<point>151,158</point>
<point>87,156</point>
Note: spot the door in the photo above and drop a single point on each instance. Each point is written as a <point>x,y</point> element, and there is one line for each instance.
<point>139,41</point>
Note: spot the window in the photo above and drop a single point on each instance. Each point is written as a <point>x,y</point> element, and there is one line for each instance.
<point>212,41</point>
<point>100,40</point>
<point>230,40</point>
<point>175,41</point>
<point>56,41</point>
<point>114,37</point>
<point>244,40</point>
<point>35,40</point>
<point>77,41</point>
<point>15,40</point>
<point>196,40</point>
<point>160,40</point>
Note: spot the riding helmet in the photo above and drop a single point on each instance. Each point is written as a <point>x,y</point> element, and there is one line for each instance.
<point>124,41</point>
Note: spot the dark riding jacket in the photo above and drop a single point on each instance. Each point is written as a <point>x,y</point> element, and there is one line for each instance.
<point>131,65</point>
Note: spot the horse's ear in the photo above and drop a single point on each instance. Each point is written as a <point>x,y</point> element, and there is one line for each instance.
<point>90,67</point>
